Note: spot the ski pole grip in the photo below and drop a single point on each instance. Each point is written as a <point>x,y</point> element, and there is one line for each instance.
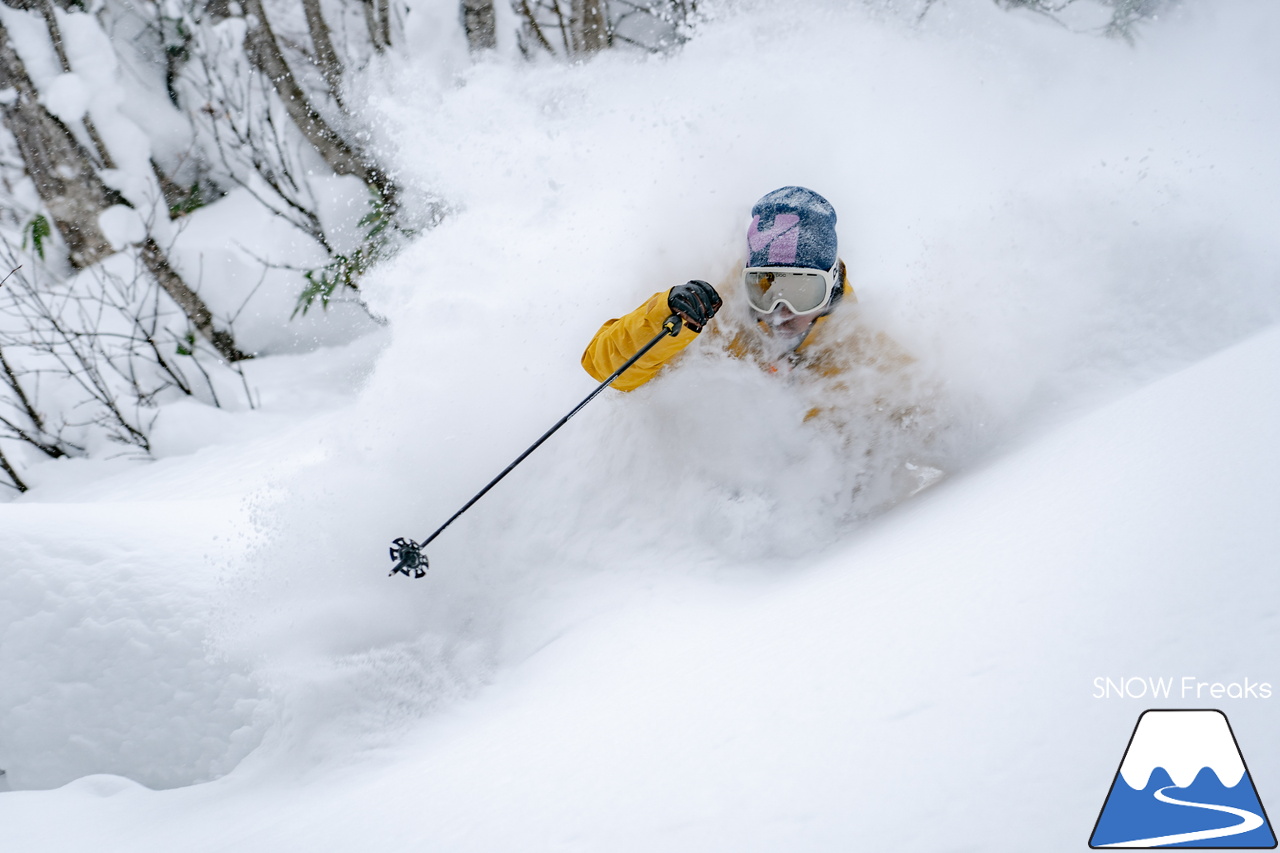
<point>673,324</point>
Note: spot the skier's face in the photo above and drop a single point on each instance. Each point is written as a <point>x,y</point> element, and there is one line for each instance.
<point>784,322</point>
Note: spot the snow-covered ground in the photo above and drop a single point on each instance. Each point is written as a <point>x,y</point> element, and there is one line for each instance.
<point>688,622</point>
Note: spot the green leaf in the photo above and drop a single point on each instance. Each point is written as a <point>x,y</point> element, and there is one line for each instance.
<point>321,283</point>
<point>192,201</point>
<point>343,272</point>
<point>37,231</point>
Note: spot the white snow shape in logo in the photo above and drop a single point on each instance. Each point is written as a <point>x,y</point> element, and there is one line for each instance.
<point>1183,743</point>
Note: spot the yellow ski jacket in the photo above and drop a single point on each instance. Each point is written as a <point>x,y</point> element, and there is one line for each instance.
<point>620,338</point>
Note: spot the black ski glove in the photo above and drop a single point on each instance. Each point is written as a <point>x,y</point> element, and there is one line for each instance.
<point>696,302</point>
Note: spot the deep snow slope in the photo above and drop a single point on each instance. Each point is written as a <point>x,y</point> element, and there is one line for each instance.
<point>691,621</point>
<point>928,686</point>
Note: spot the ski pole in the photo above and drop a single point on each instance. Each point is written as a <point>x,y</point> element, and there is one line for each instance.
<point>407,554</point>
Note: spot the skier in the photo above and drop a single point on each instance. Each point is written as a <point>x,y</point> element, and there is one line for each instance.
<point>794,281</point>
<point>795,286</point>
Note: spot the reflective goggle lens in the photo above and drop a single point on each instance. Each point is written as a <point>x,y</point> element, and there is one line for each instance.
<point>803,291</point>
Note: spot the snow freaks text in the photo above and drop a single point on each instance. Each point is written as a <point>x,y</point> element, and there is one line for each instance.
<point>1185,687</point>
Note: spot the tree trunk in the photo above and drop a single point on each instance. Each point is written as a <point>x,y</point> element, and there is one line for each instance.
<point>326,56</point>
<point>371,22</point>
<point>480,24</point>
<point>384,22</point>
<point>157,263</point>
<point>590,26</point>
<point>61,169</point>
<point>174,194</point>
<point>264,52</point>
<point>45,8</point>
<point>377,17</point>
<point>75,196</point>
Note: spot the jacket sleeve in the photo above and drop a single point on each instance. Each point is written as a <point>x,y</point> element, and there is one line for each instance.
<point>620,339</point>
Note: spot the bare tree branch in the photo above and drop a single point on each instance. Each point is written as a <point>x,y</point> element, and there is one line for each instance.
<point>264,52</point>
<point>15,481</point>
<point>531,24</point>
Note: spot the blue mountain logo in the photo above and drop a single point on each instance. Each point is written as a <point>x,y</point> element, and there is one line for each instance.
<point>1183,783</point>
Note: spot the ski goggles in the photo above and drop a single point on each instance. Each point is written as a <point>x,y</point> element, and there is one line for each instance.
<point>802,290</point>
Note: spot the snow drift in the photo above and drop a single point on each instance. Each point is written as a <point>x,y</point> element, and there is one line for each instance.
<point>678,625</point>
